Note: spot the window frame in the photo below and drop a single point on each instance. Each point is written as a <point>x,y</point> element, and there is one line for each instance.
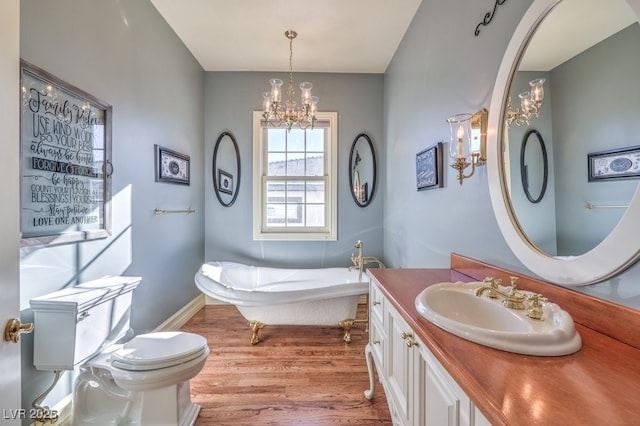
<point>326,233</point>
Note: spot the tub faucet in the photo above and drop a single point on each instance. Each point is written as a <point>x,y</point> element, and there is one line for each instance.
<point>360,260</point>
<point>370,259</point>
<point>357,260</point>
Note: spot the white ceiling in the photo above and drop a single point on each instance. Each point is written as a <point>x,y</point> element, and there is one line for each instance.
<point>572,27</point>
<point>343,36</point>
<point>356,36</point>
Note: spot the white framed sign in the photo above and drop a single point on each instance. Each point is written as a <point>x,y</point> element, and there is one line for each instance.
<point>65,154</point>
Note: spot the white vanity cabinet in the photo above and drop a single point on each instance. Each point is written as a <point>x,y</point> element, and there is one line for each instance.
<point>419,390</point>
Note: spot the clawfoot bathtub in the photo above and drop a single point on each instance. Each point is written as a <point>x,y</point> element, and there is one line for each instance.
<point>282,296</point>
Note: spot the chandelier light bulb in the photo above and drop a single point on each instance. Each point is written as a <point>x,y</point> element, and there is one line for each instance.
<point>537,90</point>
<point>305,92</point>
<point>276,91</point>
<point>266,101</point>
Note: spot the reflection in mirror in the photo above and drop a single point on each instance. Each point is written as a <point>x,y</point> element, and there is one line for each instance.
<point>225,169</point>
<point>362,170</point>
<point>534,167</point>
<point>587,51</point>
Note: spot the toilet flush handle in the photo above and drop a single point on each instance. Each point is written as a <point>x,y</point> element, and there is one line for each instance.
<point>14,328</point>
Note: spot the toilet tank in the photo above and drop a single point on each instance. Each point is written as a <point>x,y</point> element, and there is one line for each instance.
<point>73,324</point>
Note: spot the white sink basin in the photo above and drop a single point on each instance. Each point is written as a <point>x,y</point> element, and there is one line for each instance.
<point>455,308</point>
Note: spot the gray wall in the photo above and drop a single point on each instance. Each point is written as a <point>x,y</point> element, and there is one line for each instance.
<point>229,100</point>
<point>124,53</point>
<point>600,82</point>
<point>441,69</point>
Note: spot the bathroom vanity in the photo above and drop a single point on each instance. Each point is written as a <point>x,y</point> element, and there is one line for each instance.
<point>433,377</point>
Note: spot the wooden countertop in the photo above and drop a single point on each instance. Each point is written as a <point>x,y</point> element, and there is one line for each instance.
<point>598,385</point>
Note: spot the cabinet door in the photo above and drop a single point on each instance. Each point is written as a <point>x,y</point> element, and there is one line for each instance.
<point>441,405</point>
<point>400,366</point>
<point>443,401</point>
<point>479,419</point>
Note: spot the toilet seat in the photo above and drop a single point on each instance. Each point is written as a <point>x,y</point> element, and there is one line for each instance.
<point>158,350</point>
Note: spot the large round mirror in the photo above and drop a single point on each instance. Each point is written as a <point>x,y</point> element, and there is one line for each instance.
<point>586,53</point>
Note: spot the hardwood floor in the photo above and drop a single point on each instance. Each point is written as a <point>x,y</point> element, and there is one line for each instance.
<point>296,375</point>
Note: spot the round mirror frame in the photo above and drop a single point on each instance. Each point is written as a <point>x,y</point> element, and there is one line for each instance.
<point>616,252</point>
<point>523,167</point>
<point>375,172</point>
<point>213,169</point>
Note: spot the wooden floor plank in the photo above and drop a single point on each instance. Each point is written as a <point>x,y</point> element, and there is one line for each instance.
<point>296,375</point>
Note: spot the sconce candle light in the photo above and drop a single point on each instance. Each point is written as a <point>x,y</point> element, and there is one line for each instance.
<point>530,104</point>
<point>468,139</point>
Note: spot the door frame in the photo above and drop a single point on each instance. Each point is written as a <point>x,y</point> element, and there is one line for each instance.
<point>10,361</point>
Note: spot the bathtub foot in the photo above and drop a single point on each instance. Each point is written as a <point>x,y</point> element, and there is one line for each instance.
<point>255,328</point>
<point>346,326</point>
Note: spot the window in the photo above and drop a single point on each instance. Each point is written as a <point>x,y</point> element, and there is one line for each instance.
<point>295,180</point>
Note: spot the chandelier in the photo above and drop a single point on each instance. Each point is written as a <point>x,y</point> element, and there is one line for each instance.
<point>277,113</point>
<point>530,104</point>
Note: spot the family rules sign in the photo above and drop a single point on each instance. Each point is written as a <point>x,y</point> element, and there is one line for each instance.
<point>65,156</point>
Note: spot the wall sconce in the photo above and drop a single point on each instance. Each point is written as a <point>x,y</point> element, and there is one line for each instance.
<point>530,104</point>
<point>468,143</point>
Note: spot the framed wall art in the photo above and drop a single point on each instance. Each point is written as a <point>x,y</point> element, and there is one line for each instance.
<point>623,163</point>
<point>171,166</point>
<point>225,181</point>
<point>429,168</point>
<point>65,161</point>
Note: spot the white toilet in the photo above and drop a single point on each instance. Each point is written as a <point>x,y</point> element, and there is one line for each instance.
<point>142,380</point>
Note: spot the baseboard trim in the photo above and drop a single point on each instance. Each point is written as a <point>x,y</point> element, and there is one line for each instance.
<point>64,408</point>
<point>180,318</point>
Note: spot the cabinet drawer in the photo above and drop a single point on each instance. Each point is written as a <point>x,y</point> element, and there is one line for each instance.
<point>377,301</point>
<point>378,341</point>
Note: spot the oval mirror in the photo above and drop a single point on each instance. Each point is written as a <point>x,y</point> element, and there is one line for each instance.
<point>590,101</point>
<point>225,169</point>
<point>534,166</point>
<point>362,170</point>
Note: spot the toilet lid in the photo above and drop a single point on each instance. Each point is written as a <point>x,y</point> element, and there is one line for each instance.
<point>158,350</point>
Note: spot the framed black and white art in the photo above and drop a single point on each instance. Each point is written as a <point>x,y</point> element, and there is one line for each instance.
<point>623,163</point>
<point>225,181</point>
<point>172,166</point>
